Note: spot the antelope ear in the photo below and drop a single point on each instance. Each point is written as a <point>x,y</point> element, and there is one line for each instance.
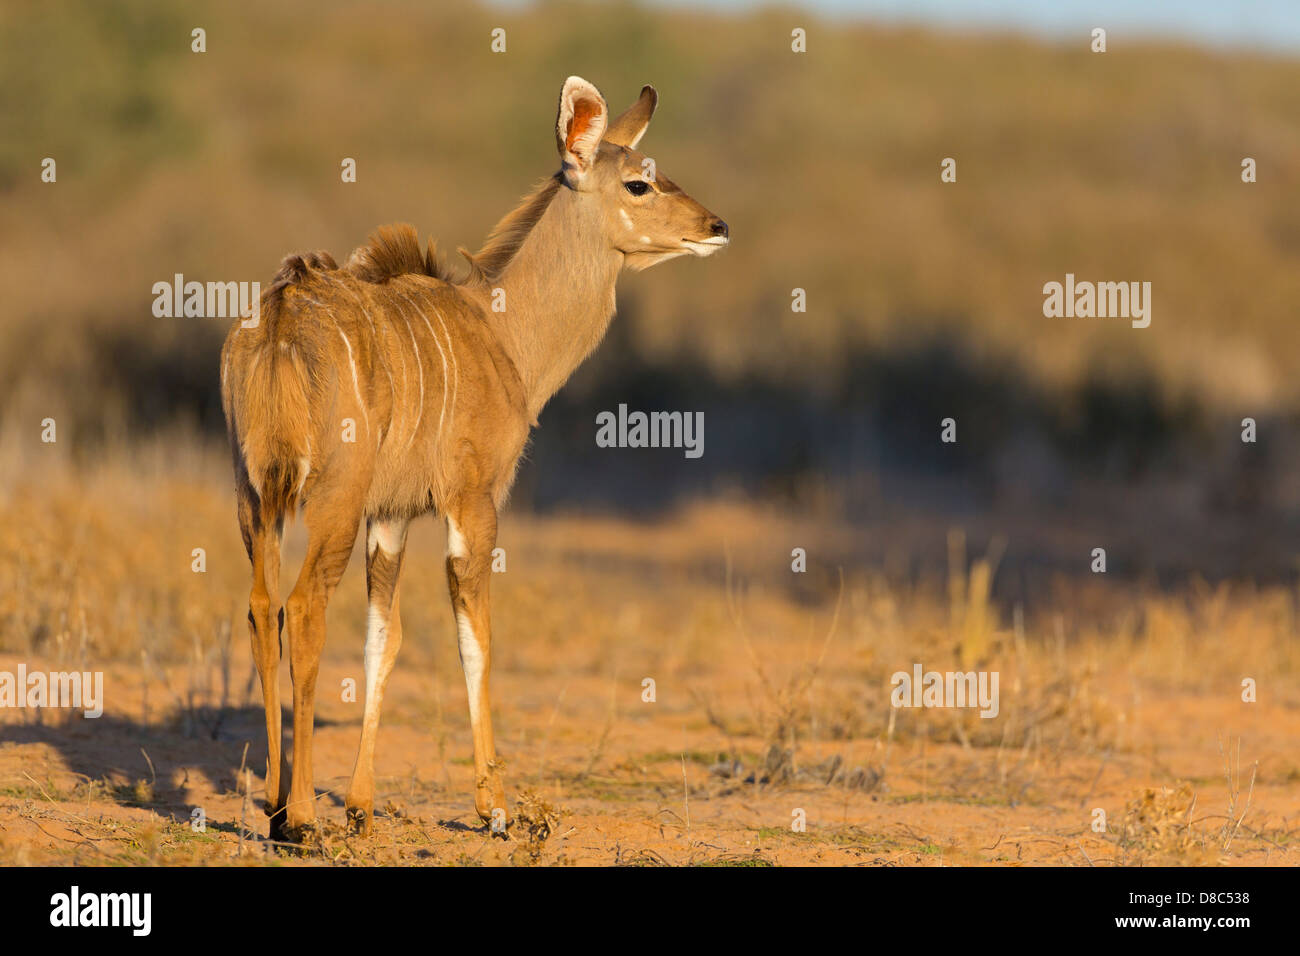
<point>579,127</point>
<point>628,129</point>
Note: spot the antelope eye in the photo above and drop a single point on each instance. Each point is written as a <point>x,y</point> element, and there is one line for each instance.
<point>637,187</point>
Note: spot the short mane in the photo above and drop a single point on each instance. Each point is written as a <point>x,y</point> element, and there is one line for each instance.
<point>509,234</point>
<point>394,251</point>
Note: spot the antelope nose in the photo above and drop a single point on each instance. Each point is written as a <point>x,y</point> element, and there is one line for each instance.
<point>720,229</point>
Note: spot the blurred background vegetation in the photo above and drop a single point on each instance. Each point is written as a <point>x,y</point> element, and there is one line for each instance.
<point>924,298</point>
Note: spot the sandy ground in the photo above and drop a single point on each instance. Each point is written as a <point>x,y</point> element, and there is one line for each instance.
<point>769,708</point>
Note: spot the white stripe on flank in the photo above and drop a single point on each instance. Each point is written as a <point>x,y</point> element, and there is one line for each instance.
<point>419,366</point>
<point>399,405</point>
<point>455,372</point>
<point>356,385</point>
<point>360,305</point>
<point>352,292</point>
<point>392,384</point>
<point>442,417</point>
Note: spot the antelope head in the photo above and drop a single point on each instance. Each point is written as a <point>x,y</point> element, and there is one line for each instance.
<point>643,214</point>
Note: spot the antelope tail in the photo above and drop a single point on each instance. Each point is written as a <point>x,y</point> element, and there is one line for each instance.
<point>268,398</point>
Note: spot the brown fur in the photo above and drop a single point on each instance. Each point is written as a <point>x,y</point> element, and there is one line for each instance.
<point>385,390</point>
<point>504,241</point>
<point>395,251</point>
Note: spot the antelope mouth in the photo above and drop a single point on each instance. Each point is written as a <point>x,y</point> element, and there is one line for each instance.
<point>705,247</point>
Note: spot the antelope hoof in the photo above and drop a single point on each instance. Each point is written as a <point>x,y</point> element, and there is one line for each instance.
<point>492,807</point>
<point>306,833</point>
<point>359,819</point>
<point>276,831</point>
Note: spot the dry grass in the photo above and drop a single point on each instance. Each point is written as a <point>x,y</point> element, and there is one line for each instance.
<point>772,695</point>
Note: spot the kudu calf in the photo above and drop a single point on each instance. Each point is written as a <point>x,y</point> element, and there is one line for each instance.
<point>385,389</point>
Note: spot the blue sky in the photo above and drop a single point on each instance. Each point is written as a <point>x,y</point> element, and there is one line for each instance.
<point>1266,24</point>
